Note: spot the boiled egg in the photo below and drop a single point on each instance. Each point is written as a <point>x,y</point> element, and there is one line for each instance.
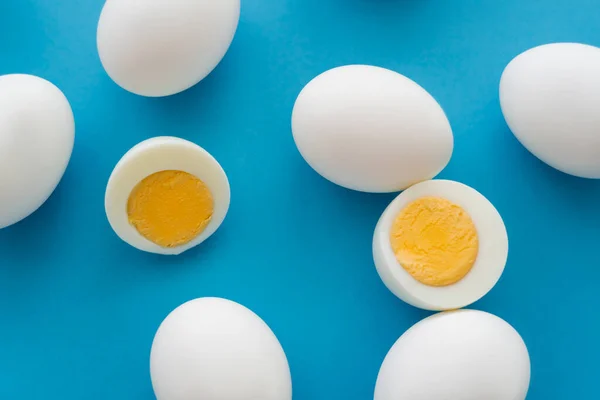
<point>215,349</point>
<point>166,195</point>
<point>37,132</point>
<point>371,129</point>
<point>440,245</point>
<point>162,47</point>
<point>550,97</point>
<point>465,354</point>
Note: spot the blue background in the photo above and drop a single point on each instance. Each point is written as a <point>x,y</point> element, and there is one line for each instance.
<point>79,308</point>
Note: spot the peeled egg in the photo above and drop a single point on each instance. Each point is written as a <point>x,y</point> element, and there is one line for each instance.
<point>37,132</point>
<point>440,245</point>
<point>166,195</point>
<point>371,129</point>
<point>465,354</point>
<point>162,47</point>
<point>215,349</point>
<point>550,97</point>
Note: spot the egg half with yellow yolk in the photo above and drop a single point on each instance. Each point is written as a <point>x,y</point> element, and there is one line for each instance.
<point>440,245</point>
<point>166,195</point>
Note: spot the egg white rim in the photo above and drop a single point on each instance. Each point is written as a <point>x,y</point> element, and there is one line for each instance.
<point>489,264</point>
<point>155,155</point>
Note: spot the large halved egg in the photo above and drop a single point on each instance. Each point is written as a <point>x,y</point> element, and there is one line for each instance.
<point>371,129</point>
<point>464,354</point>
<point>37,133</point>
<point>215,349</point>
<point>440,245</point>
<point>166,195</point>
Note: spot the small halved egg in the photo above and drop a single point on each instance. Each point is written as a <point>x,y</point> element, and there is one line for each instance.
<point>440,245</point>
<point>166,195</point>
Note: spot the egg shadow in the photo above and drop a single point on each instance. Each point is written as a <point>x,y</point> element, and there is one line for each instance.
<point>183,114</point>
<point>412,314</point>
<point>36,229</point>
<point>565,190</point>
<point>351,201</point>
<point>182,105</point>
<point>400,6</point>
<point>157,267</point>
<point>209,98</point>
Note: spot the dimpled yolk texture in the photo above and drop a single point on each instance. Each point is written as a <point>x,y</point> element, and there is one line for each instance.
<point>435,241</point>
<point>170,208</point>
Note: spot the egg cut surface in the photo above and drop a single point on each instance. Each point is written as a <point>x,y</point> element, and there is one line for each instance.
<point>216,349</point>
<point>166,195</point>
<point>464,354</point>
<point>161,47</point>
<point>440,245</point>
<point>550,97</point>
<point>37,133</point>
<point>371,129</point>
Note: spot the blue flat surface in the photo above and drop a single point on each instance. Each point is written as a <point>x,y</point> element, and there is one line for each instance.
<point>79,308</point>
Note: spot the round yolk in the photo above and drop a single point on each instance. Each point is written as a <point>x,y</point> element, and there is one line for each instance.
<point>435,241</point>
<point>170,208</point>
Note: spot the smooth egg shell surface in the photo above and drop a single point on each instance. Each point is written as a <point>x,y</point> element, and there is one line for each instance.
<point>550,97</point>
<point>215,349</point>
<point>465,354</point>
<point>162,154</point>
<point>488,266</point>
<point>162,47</point>
<point>371,129</point>
<point>37,133</point>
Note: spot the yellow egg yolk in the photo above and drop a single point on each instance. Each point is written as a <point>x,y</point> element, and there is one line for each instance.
<point>170,208</point>
<point>435,241</point>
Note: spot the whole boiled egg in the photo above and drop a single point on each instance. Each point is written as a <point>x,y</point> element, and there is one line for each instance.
<point>37,132</point>
<point>465,354</point>
<point>166,195</point>
<point>440,245</point>
<point>371,129</point>
<point>215,349</point>
<point>162,47</point>
<point>550,97</point>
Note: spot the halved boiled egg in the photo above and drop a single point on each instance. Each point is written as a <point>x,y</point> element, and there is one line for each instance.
<point>166,195</point>
<point>440,245</point>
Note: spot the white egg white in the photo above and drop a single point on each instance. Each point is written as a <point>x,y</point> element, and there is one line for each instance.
<point>216,349</point>
<point>487,269</point>
<point>162,47</point>
<point>464,354</point>
<point>371,129</point>
<point>161,154</point>
<point>37,133</point>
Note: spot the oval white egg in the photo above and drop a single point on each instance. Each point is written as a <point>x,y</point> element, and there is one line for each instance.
<point>37,132</point>
<point>465,354</point>
<point>157,155</point>
<point>550,96</point>
<point>488,261</point>
<point>215,349</point>
<point>162,47</point>
<point>371,129</point>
